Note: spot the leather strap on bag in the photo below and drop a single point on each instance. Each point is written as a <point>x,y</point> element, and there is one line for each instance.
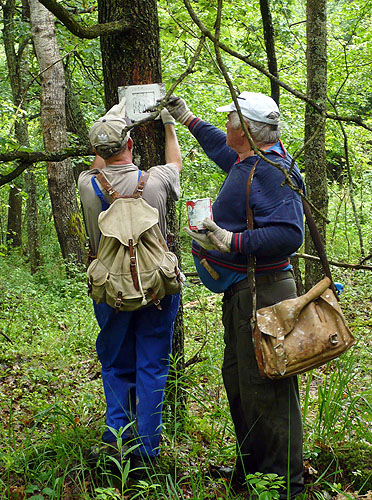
<point>312,228</point>
<point>137,193</point>
<point>251,259</point>
<point>318,244</point>
<point>138,190</point>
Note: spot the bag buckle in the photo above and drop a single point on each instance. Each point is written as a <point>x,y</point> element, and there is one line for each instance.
<point>333,338</point>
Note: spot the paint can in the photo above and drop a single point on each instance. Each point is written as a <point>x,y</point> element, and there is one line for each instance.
<point>197,211</point>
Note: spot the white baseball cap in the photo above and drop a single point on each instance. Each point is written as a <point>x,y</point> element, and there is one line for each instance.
<point>255,106</point>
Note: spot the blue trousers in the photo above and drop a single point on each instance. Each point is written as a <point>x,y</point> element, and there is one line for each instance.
<point>134,348</point>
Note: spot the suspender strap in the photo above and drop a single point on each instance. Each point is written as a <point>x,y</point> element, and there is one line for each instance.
<point>98,192</point>
<point>141,184</point>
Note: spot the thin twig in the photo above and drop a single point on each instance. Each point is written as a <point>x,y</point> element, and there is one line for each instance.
<point>335,263</point>
<point>6,336</point>
<point>352,119</point>
<point>301,150</point>
<point>31,82</point>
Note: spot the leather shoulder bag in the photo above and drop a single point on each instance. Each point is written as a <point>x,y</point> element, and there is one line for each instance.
<point>297,335</point>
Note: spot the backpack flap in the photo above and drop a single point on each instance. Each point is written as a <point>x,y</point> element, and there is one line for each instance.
<point>127,219</point>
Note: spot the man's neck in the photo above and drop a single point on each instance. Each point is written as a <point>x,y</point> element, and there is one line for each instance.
<point>124,158</point>
<point>249,152</point>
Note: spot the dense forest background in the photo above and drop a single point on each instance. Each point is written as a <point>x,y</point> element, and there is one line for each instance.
<point>59,72</point>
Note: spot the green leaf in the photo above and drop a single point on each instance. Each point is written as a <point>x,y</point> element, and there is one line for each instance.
<point>49,492</point>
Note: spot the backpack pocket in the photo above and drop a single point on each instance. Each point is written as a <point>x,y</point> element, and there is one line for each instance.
<point>98,276</point>
<point>170,273</point>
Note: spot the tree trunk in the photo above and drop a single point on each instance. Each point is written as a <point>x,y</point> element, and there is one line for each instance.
<point>315,157</point>
<point>61,185</point>
<point>75,121</point>
<point>14,229</point>
<point>134,59</point>
<point>269,37</point>
<point>18,71</point>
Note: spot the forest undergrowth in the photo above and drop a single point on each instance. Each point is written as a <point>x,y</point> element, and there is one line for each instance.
<point>52,404</point>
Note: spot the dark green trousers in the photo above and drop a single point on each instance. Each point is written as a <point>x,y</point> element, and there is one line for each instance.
<point>266,413</point>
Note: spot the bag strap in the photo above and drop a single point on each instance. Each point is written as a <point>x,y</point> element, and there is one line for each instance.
<point>138,190</point>
<point>314,232</point>
<point>249,186</point>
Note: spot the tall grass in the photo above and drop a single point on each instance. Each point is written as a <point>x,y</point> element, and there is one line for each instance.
<point>52,405</point>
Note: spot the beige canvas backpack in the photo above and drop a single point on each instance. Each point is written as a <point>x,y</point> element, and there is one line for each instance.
<point>133,267</point>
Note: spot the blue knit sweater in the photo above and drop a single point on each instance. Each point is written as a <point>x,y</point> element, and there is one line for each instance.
<point>277,211</point>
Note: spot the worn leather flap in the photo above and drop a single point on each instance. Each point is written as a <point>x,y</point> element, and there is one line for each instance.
<point>280,319</point>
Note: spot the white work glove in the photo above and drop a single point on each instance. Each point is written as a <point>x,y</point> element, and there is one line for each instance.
<point>178,109</point>
<point>166,117</point>
<point>215,238</point>
<point>220,234</point>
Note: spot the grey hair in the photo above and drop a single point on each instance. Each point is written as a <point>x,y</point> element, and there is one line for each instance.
<point>107,152</point>
<point>262,133</point>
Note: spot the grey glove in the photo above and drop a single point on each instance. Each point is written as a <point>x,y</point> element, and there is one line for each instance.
<point>202,239</point>
<point>215,238</point>
<point>178,109</point>
<point>215,232</point>
<point>166,117</point>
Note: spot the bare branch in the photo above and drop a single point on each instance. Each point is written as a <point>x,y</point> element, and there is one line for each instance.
<point>37,156</point>
<point>6,336</point>
<point>345,265</point>
<point>349,119</point>
<point>21,167</point>
<point>287,178</point>
<point>366,258</point>
<point>77,29</point>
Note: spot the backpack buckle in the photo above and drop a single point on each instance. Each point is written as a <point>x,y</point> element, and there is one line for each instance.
<point>119,300</point>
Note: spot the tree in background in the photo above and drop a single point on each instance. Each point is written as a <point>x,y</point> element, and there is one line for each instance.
<point>315,153</point>
<point>62,191</point>
<point>18,69</point>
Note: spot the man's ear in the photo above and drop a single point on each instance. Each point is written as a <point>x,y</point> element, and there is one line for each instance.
<point>130,144</point>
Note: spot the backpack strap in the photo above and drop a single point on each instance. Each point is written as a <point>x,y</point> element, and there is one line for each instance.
<point>138,190</point>
<point>107,186</point>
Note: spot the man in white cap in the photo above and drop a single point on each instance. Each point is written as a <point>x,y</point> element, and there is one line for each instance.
<point>133,347</point>
<point>266,414</point>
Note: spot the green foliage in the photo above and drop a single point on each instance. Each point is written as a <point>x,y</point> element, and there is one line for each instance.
<point>52,401</point>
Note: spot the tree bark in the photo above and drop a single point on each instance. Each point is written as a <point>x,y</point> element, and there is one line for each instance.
<point>315,157</point>
<point>61,185</point>
<point>18,70</point>
<point>133,58</point>
<point>269,38</point>
<point>14,227</point>
<point>75,120</point>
